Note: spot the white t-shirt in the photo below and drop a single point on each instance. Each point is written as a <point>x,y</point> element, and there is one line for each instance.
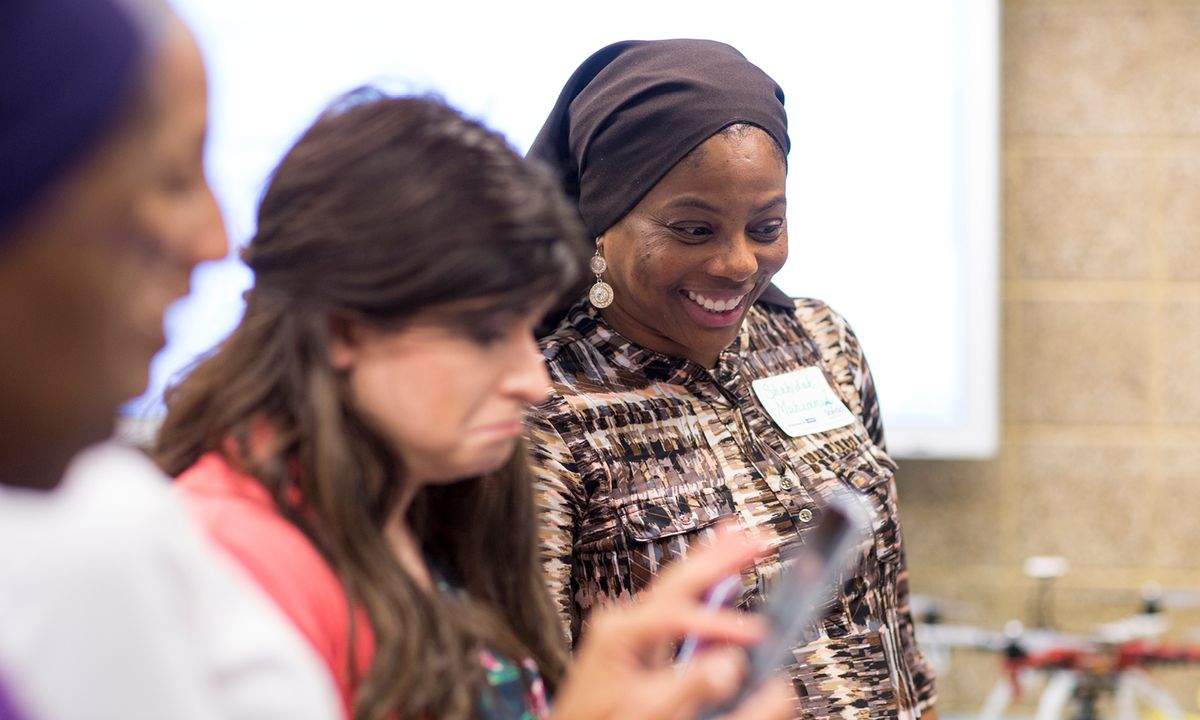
<point>114,606</point>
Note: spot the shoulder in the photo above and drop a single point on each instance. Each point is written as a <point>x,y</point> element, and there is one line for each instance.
<point>571,351</point>
<point>815,320</point>
<point>819,319</point>
<point>570,329</point>
<point>576,369</point>
<point>242,518</point>
<point>240,515</point>
<point>814,309</point>
<point>112,515</point>
<point>114,556</point>
<point>560,340</point>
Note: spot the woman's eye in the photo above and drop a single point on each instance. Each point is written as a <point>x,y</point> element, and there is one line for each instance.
<point>478,331</point>
<point>485,336</point>
<point>768,232</point>
<point>692,232</point>
<point>176,183</point>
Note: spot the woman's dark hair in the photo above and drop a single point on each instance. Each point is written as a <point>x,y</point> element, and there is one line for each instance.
<point>387,207</point>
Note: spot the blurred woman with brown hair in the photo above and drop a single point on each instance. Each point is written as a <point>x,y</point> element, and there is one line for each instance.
<point>355,442</point>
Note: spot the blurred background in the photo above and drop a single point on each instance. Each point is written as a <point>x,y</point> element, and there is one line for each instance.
<point>1020,179</point>
<point>893,171</point>
<point>1099,449</point>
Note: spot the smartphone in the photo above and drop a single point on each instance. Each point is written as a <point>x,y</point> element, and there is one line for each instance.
<point>807,582</point>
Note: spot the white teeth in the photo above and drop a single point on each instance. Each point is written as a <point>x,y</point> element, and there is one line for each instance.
<point>714,305</point>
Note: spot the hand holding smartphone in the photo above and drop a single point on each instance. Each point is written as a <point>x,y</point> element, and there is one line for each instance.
<point>808,580</point>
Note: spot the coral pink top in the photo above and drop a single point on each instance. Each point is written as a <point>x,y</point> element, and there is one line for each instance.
<point>242,517</point>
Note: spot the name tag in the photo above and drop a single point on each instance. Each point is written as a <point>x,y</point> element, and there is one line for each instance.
<point>801,402</point>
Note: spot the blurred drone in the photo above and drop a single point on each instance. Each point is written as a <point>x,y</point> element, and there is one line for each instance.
<point>1074,670</point>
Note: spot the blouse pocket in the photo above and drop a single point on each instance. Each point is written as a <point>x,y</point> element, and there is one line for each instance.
<point>871,474</point>
<point>656,518</point>
<point>658,530</point>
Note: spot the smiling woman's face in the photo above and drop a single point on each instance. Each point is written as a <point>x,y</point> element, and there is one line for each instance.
<point>700,247</point>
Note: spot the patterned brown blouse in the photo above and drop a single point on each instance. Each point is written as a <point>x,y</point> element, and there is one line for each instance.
<point>638,454</point>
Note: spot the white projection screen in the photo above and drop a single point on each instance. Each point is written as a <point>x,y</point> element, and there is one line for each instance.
<point>893,180</point>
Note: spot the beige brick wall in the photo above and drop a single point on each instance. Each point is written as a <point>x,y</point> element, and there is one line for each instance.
<point>1100,458</point>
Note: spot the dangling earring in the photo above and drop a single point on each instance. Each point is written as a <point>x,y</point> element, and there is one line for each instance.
<point>601,294</point>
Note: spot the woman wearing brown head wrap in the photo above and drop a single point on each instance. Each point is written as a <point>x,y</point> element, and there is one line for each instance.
<point>687,388</point>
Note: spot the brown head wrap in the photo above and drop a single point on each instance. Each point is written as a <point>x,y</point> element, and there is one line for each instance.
<point>635,108</point>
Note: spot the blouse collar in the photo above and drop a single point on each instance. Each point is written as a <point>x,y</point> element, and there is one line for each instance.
<point>655,366</point>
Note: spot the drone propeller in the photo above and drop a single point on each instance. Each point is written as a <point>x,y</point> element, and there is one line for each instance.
<point>1137,627</point>
<point>960,636</point>
<point>1151,598</point>
<point>1014,640</point>
<point>1156,598</point>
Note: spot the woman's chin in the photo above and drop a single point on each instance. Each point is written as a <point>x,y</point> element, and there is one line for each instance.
<point>708,342</point>
<point>481,462</point>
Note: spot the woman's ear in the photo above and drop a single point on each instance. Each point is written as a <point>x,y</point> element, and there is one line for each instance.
<point>345,340</point>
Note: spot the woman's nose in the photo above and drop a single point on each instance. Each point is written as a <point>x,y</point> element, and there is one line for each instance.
<point>206,238</point>
<point>528,381</point>
<point>735,260</point>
